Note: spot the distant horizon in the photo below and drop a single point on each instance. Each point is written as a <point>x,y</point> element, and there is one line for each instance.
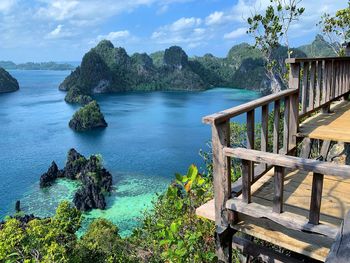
<point>63,30</point>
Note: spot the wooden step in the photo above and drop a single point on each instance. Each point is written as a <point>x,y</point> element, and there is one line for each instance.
<point>286,219</point>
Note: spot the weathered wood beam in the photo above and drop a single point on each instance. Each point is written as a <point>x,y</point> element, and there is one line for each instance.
<point>278,189</point>
<point>235,111</point>
<point>286,219</point>
<point>276,127</point>
<point>340,250</point>
<point>246,181</point>
<point>289,161</point>
<point>316,197</point>
<point>298,60</point>
<point>222,190</point>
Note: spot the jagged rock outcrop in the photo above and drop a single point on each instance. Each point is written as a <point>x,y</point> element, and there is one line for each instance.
<point>7,82</point>
<point>96,180</point>
<point>50,176</point>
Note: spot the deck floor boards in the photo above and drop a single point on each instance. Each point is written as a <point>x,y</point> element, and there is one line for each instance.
<point>334,126</point>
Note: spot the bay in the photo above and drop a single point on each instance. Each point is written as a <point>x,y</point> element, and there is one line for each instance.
<point>150,136</point>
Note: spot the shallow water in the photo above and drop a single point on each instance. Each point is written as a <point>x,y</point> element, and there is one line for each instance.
<point>150,137</point>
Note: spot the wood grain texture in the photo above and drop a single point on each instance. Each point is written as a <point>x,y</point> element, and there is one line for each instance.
<point>290,162</point>
<point>316,198</point>
<point>286,219</point>
<point>278,190</point>
<point>221,171</point>
<point>340,250</point>
<point>235,111</point>
<point>334,126</point>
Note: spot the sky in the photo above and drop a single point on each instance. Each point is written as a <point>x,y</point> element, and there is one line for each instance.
<point>64,30</point>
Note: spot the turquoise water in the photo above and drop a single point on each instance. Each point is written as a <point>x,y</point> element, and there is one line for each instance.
<point>150,137</point>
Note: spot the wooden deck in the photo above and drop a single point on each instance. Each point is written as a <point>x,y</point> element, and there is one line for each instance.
<point>291,201</point>
<point>297,192</point>
<point>333,126</point>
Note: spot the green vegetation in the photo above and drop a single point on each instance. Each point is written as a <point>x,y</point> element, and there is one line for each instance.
<point>74,96</point>
<point>87,118</point>
<point>7,82</point>
<point>41,240</point>
<point>271,28</point>
<point>36,66</point>
<point>337,29</point>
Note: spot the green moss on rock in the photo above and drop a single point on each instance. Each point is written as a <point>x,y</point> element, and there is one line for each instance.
<point>87,118</point>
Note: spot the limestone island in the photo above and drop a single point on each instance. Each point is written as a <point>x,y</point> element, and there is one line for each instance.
<point>96,180</point>
<point>87,118</point>
<point>7,82</point>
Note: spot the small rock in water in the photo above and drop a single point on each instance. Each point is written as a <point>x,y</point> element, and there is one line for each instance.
<point>18,206</point>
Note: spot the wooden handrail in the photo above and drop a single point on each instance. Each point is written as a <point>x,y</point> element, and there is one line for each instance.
<point>287,161</point>
<point>225,115</point>
<point>299,60</point>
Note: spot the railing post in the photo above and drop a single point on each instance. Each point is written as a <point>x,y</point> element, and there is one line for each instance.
<point>316,196</point>
<point>278,189</point>
<point>251,138</point>
<point>294,82</point>
<point>222,190</point>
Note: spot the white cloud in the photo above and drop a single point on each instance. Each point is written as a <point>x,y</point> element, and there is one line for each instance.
<point>7,5</point>
<point>114,36</point>
<point>58,32</point>
<point>237,33</point>
<point>184,31</point>
<point>214,18</point>
<point>185,23</point>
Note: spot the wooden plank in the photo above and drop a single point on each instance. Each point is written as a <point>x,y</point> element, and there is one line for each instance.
<point>305,87</point>
<point>316,197</point>
<point>278,190</point>
<point>286,117</point>
<point>251,138</point>
<point>221,171</point>
<point>290,162</point>
<point>246,181</point>
<point>324,82</point>
<point>286,219</point>
<point>326,145</point>
<point>340,250</point>
<point>235,111</point>
<point>318,83</point>
<point>293,121</point>
<point>299,60</point>
<point>264,254</point>
<point>276,127</point>
<point>311,245</point>
<point>312,86</point>
<point>306,148</point>
<point>328,79</point>
<point>222,190</point>
<point>264,127</point>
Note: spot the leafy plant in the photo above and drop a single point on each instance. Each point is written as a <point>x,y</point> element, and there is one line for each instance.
<point>269,30</point>
<point>337,29</point>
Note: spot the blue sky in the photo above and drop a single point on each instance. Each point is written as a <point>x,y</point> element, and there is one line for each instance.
<point>63,30</point>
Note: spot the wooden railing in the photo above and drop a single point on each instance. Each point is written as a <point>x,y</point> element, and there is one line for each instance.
<point>320,81</point>
<point>313,85</point>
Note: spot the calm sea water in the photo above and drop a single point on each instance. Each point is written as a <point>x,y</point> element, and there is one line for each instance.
<point>150,137</point>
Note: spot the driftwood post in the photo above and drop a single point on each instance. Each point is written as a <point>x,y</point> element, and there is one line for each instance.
<point>222,190</point>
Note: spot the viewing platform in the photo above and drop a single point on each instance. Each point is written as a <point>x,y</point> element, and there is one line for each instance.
<point>289,195</point>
